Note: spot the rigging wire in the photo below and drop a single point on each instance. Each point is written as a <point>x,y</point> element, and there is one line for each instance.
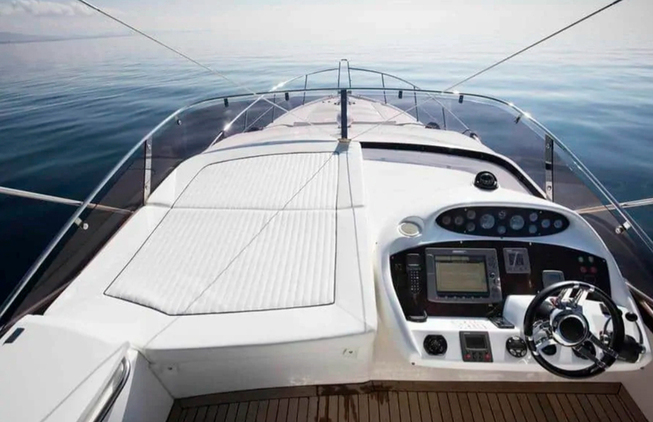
<point>480,72</point>
<point>540,41</point>
<point>203,66</point>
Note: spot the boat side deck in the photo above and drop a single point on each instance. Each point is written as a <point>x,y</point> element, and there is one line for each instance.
<point>406,401</point>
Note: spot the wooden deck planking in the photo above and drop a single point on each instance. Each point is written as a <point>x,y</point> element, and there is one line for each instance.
<point>417,402</point>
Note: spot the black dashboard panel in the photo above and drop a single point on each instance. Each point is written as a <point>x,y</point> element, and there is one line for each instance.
<point>540,261</point>
<point>502,221</point>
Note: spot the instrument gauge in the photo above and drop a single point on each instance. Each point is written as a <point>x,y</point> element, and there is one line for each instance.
<point>517,222</point>
<point>487,221</point>
<point>501,221</point>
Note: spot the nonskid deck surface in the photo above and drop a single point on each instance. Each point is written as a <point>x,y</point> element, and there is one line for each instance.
<point>416,402</point>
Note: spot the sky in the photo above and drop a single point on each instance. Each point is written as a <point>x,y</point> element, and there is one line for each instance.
<point>339,20</point>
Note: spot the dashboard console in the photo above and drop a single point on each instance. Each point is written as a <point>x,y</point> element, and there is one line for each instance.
<point>473,278</point>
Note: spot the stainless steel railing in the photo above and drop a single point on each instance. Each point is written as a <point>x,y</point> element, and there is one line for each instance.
<point>432,95</point>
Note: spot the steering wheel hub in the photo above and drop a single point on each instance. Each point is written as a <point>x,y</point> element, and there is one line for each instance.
<point>569,328</point>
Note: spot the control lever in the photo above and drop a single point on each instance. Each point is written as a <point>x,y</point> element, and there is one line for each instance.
<point>632,349</point>
<point>501,322</point>
<point>418,318</point>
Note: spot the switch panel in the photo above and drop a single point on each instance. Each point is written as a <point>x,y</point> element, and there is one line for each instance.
<point>475,346</point>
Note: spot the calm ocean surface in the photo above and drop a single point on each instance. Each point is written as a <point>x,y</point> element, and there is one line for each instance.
<point>70,109</point>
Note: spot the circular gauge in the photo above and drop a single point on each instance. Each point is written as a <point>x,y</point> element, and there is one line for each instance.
<point>533,217</point>
<point>546,223</point>
<point>446,220</point>
<point>471,214</point>
<point>502,215</point>
<point>459,220</point>
<point>532,229</point>
<point>516,222</point>
<point>487,221</point>
<point>470,227</point>
<point>557,224</point>
<point>501,230</point>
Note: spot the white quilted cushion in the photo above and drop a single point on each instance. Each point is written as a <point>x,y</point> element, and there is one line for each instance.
<point>250,234</point>
<point>266,182</point>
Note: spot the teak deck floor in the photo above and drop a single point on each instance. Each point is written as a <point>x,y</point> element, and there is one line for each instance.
<point>382,401</point>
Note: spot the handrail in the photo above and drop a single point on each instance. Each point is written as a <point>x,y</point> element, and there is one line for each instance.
<point>643,202</point>
<point>614,204</point>
<point>643,296</point>
<point>103,404</point>
<point>645,304</point>
<point>58,200</point>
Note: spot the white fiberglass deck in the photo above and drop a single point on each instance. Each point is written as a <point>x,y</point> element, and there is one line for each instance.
<point>248,234</point>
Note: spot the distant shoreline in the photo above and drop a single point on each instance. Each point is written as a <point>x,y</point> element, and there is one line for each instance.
<point>71,38</point>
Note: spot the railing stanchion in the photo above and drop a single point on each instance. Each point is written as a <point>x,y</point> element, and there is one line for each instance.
<point>147,169</point>
<point>416,108</point>
<point>385,100</point>
<point>339,65</point>
<point>343,114</point>
<point>274,100</point>
<point>349,74</point>
<point>305,84</point>
<point>548,166</point>
<point>444,119</point>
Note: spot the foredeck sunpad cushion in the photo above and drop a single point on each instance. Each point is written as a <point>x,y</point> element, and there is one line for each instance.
<point>250,234</point>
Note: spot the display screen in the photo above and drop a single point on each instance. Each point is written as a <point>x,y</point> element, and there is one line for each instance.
<point>460,274</point>
<point>475,342</point>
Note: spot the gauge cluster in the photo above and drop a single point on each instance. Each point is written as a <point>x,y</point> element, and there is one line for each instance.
<point>502,221</point>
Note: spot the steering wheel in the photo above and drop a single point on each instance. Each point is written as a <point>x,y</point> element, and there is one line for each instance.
<point>555,317</point>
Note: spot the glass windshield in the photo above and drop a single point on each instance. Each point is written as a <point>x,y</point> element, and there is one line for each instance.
<point>189,131</point>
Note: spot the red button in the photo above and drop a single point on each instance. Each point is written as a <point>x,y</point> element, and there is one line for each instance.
<point>488,357</point>
<point>468,356</point>
<point>593,270</point>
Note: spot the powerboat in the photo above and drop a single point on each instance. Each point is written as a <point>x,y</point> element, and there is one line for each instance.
<point>345,246</point>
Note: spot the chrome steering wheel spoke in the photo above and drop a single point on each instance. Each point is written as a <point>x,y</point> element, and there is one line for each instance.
<point>563,297</point>
<point>544,342</point>
<point>580,297</point>
<point>586,354</point>
<point>566,298</point>
<point>604,347</point>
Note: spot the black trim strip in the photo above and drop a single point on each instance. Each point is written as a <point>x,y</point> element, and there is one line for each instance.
<point>478,155</point>
<point>17,332</point>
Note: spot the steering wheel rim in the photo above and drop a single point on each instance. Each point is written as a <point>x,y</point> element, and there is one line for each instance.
<point>610,352</point>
